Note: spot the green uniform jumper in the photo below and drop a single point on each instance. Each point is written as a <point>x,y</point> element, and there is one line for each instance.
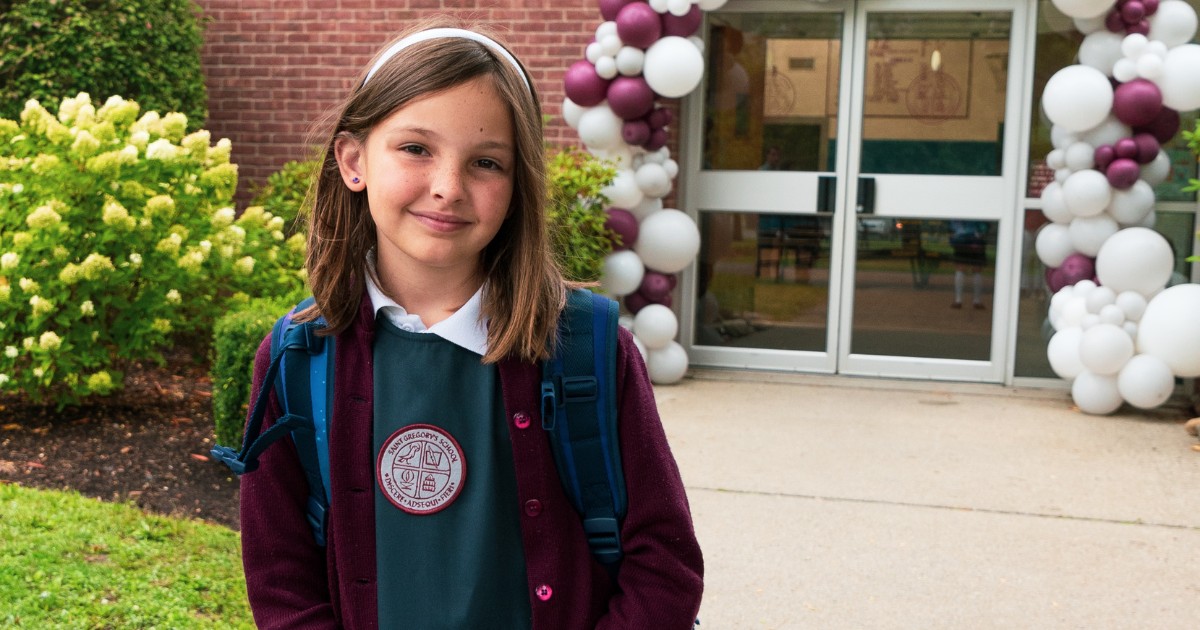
<point>458,561</point>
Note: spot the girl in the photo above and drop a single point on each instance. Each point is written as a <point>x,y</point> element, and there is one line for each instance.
<point>429,261</point>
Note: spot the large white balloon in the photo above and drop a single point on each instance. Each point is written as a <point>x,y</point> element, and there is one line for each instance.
<point>1054,205</point>
<point>600,128</point>
<point>656,326</point>
<point>1053,244</point>
<point>1096,394</point>
<point>1087,26</point>
<point>668,240</point>
<point>1173,24</point>
<point>1063,352</point>
<point>666,365</point>
<point>1105,349</point>
<point>623,191</point>
<point>1146,381</point>
<point>674,67</point>
<point>1180,80</point>
<point>623,272</point>
<point>1101,50</point>
<point>1078,98</point>
<point>1168,329</point>
<point>1135,259</point>
<point>653,180</point>
<point>1130,206</point>
<point>1083,8</point>
<point>1087,193</point>
<point>1088,234</point>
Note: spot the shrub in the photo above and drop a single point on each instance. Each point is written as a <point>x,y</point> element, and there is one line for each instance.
<point>285,193</point>
<point>576,212</point>
<point>236,337</point>
<point>118,237</point>
<point>145,50</point>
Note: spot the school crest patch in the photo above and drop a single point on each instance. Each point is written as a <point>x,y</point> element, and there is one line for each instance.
<point>421,469</point>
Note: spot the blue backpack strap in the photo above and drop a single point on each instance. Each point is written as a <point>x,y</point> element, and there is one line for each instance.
<point>579,412</point>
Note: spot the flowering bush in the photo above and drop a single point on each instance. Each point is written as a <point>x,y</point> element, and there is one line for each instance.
<point>117,235</point>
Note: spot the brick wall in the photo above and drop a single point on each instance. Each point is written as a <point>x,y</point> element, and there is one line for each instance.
<point>275,67</point>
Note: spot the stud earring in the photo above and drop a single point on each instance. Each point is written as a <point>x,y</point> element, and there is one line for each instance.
<point>354,180</point>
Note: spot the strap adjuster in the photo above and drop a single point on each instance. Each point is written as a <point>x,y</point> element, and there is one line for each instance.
<point>603,538</point>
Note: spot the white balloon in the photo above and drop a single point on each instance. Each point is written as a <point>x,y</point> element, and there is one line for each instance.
<point>1100,297</point>
<point>1133,45</point>
<point>1080,156</point>
<point>623,191</point>
<point>1054,206</point>
<point>1157,171</point>
<point>593,52</point>
<point>674,67</point>
<point>1061,137</point>
<point>1108,131</point>
<point>1053,244</point>
<point>697,41</point>
<point>623,272</point>
<point>630,60</point>
<point>1062,174</point>
<point>667,365</point>
<point>1105,349</point>
<point>1130,206</point>
<point>1096,394</point>
<point>572,112</point>
<point>711,5</point>
<point>641,347</point>
<point>1088,234</point>
<point>1149,221</point>
<point>1180,80</point>
<point>1101,50</point>
<point>1168,329</point>
<point>655,325</point>
<point>1150,67</point>
<point>1057,159</point>
<point>1074,312</point>
<point>1132,303</point>
<point>647,207</point>
<point>1125,70</point>
<point>1112,314</point>
<point>606,67</point>
<point>1135,259</point>
<point>1063,352</point>
<point>1083,8</point>
<point>606,29</point>
<point>668,240</point>
<point>659,6</point>
<point>653,180</point>
<point>1083,288</point>
<point>1089,321</point>
<point>1078,97</point>
<point>600,128</point>
<point>1087,193</point>
<point>672,167</point>
<point>1130,328</point>
<point>1157,48</point>
<point>611,44</point>
<point>1146,381</point>
<point>1174,23</point>
<point>621,156</point>
<point>626,322</point>
<point>679,7</point>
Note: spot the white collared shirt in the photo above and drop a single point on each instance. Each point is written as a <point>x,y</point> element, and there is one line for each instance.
<point>465,328</point>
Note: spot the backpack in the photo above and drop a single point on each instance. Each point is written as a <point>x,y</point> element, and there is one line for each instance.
<point>579,413</point>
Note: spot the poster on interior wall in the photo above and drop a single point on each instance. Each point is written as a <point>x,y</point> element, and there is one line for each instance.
<point>923,79</point>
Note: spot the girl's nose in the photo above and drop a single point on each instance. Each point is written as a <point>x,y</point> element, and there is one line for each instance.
<point>447,183</point>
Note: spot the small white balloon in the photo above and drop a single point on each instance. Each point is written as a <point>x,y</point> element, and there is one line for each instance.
<point>593,52</point>
<point>1150,67</point>
<point>641,347</point>
<point>1146,381</point>
<point>1087,193</point>
<point>572,112</point>
<point>1088,234</point>
<point>1130,206</point>
<point>1133,45</point>
<point>1168,329</point>
<point>1125,70</point>
<point>1149,221</point>
<point>1083,288</point>
<point>1132,303</point>
<point>710,5</point>
<point>1057,159</point>
<point>1062,174</point>
<point>679,8</point>
<point>1130,328</point>
<point>697,41</point>
<point>630,60</point>
<point>1100,50</point>
<point>606,29</point>
<point>674,67</point>
<point>668,240</point>
<point>606,67</point>
<point>1083,8</point>
<point>1087,26</point>
<point>1112,314</point>
<point>1108,131</point>
<point>626,322</point>
<point>1089,321</point>
<point>659,6</point>
<point>623,191</point>
<point>1180,80</point>
<point>1063,352</point>
<point>1053,244</point>
<point>600,128</point>
<point>1100,297</point>
<point>1105,348</point>
<point>1135,259</point>
<point>653,180</point>
<point>667,365</point>
<point>611,45</point>
<point>672,168</point>
<point>1061,137</point>
<point>1074,312</point>
<point>623,272</point>
<point>1157,171</point>
<point>1054,206</point>
<point>1080,156</point>
<point>656,326</point>
<point>647,207</point>
<point>1096,394</point>
<point>1174,23</point>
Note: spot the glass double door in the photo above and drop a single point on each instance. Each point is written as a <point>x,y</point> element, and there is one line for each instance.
<point>855,182</point>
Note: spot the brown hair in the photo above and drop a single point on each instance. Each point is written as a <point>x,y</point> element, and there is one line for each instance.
<point>524,288</point>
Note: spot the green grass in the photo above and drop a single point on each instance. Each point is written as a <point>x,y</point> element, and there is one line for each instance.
<point>67,561</point>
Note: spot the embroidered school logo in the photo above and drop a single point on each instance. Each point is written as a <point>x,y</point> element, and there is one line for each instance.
<point>421,469</point>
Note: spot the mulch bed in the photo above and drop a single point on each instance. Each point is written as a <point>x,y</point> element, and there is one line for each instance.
<point>148,445</point>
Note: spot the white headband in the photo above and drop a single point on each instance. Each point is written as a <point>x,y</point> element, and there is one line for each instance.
<point>437,33</point>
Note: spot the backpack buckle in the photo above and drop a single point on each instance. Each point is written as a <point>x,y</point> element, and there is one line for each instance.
<point>229,457</point>
<point>603,538</point>
<point>549,405</point>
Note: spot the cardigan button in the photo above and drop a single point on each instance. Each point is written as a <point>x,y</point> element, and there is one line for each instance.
<point>533,507</point>
<point>544,592</point>
<point>521,419</point>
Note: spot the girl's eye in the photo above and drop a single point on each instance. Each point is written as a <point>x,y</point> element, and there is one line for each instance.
<point>489,164</point>
<point>414,149</point>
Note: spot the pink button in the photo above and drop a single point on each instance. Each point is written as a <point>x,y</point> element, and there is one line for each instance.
<point>533,507</point>
<point>521,419</point>
<point>544,592</point>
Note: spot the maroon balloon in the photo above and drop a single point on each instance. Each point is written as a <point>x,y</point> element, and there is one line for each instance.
<point>610,8</point>
<point>658,140</point>
<point>622,223</point>
<point>638,25</point>
<point>1077,267</point>
<point>1164,126</point>
<point>583,86</point>
<point>635,132</point>
<point>1133,12</point>
<point>630,97</point>
<point>1125,148</point>
<point>1137,102</point>
<point>1104,156</point>
<point>1151,7</point>
<point>665,300</point>
<point>683,25</point>
<point>1123,173</point>
<point>1113,21</point>
<point>1054,279</point>
<point>659,118</point>
<point>1147,147</point>
<point>655,286</point>
<point>1141,28</point>
<point>674,279</point>
<point>635,302</point>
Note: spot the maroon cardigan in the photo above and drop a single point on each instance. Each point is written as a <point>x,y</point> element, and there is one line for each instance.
<point>293,583</point>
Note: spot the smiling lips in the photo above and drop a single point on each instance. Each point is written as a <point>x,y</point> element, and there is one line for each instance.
<point>440,222</point>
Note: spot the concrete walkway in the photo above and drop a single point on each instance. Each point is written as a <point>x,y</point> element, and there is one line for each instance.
<point>835,502</point>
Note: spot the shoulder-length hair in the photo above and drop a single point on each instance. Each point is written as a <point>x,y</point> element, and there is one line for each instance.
<point>524,288</point>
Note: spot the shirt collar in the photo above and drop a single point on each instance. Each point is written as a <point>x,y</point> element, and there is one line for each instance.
<point>466,328</point>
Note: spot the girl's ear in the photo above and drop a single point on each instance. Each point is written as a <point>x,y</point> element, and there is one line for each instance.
<point>349,154</point>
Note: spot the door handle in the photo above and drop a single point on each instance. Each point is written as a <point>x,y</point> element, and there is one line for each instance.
<point>827,194</point>
<point>866,195</point>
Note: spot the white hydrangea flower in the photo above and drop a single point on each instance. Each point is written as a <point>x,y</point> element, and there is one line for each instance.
<point>161,149</point>
<point>244,265</point>
<point>49,340</point>
<point>139,139</point>
<point>41,306</point>
<point>9,260</point>
<point>18,189</point>
<point>43,217</point>
<point>28,342</point>
<point>135,259</point>
<point>11,352</point>
<point>28,285</point>
<point>223,217</point>
<point>87,308</point>
<point>173,297</point>
<point>3,379</point>
<point>39,372</point>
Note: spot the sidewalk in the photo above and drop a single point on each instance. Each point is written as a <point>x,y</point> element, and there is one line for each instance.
<point>836,502</point>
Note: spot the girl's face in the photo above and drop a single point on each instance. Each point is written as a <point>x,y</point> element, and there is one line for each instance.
<point>439,179</point>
